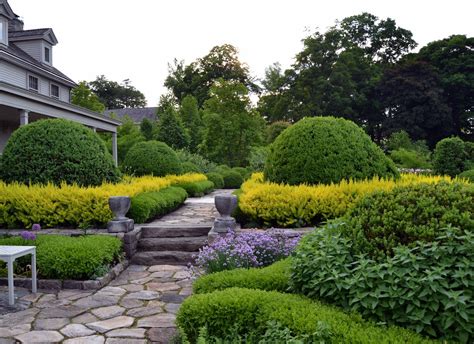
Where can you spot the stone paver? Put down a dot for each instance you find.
(139, 306)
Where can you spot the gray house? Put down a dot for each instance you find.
(30, 87)
(137, 115)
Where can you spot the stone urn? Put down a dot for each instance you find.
(119, 205)
(225, 205)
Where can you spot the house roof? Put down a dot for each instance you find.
(12, 49)
(26, 35)
(6, 10)
(136, 114)
(33, 32)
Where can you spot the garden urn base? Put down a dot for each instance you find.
(120, 226)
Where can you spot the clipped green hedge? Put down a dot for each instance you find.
(216, 178)
(197, 189)
(64, 257)
(468, 175)
(386, 219)
(189, 167)
(450, 156)
(248, 313)
(149, 205)
(325, 150)
(274, 277)
(56, 151)
(232, 179)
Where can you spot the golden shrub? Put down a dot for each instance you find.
(302, 205)
(71, 205)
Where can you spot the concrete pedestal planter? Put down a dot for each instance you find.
(120, 206)
(225, 205)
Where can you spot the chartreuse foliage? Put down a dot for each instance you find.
(428, 288)
(71, 205)
(285, 205)
(387, 219)
(64, 257)
(274, 277)
(323, 150)
(57, 151)
(247, 313)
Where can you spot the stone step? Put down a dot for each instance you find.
(171, 231)
(163, 257)
(187, 244)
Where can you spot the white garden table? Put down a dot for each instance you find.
(8, 254)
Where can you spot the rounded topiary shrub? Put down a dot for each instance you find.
(386, 219)
(468, 175)
(232, 179)
(189, 167)
(450, 156)
(152, 157)
(325, 150)
(217, 179)
(57, 150)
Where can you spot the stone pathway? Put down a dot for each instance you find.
(139, 306)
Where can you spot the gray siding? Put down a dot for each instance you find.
(64, 94)
(32, 48)
(12, 74)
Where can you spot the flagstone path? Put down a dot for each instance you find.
(139, 306)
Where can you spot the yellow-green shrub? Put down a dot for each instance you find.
(71, 205)
(301, 205)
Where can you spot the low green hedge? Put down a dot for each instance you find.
(197, 189)
(246, 312)
(216, 178)
(273, 277)
(149, 205)
(468, 175)
(64, 257)
(232, 179)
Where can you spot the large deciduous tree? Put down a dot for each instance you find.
(115, 95)
(231, 126)
(83, 96)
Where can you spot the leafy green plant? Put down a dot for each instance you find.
(149, 205)
(243, 311)
(386, 219)
(197, 189)
(63, 257)
(450, 156)
(232, 179)
(409, 159)
(204, 165)
(152, 157)
(427, 288)
(56, 151)
(468, 175)
(325, 150)
(217, 179)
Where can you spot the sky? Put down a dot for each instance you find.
(137, 39)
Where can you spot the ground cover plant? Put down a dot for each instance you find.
(64, 257)
(244, 250)
(247, 313)
(273, 204)
(72, 205)
(323, 150)
(57, 151)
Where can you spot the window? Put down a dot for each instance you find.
(33, 83)
(47, 55)
(3, 31)
(54, 91)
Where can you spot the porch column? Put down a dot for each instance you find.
(24, 117)
(114, 148)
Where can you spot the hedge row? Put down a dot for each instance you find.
(149, 205)
(64, 257)
(71, 205)
(274, 277)
(247, 313)
(303, 205)
(197, 189)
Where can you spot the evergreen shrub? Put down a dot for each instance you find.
(468, 175)
(152, 158)
(247, 313)
(324, 150)
(386, 219)
(189, 167)
(56, 151)
(217, 179)
(232, 179)
(197, 189)
(450, 156)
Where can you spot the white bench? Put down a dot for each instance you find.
(8, 254)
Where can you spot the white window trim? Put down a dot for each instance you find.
(49, 54)
(51, 93)
(28, 83)
(4, 36)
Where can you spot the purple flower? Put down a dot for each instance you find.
(36, 227)
(26, 235)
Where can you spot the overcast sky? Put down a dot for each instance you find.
(137, 39)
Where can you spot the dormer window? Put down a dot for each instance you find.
(3, 31)
(47, 55)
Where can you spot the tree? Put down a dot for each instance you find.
(195, 79)
(146, 129)
(231, 126)
(191, 119)
(453, 58)
(412, 99)
(83, 96)
(171, 130)
(115, 95)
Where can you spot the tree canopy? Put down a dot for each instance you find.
(83, 96)
(117, 95)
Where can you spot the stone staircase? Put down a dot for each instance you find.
(170, 244)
